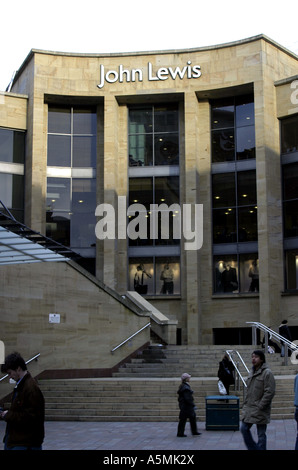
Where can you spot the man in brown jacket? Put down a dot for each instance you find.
(25, 417)
(257, 402)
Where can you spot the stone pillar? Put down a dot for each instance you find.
(269, 203)
(190, 197)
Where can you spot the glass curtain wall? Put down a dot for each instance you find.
(12, 157)
(71, 179)
(234, 196)
(289, 161)
(154, 255)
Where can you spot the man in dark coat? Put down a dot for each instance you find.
(284, 331)
(225, 372)
(257, 402)
(25, 417)
(187, 407)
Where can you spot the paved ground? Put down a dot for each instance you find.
(115, 436)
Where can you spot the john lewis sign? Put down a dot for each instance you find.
(122, 74)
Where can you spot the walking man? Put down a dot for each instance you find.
(257, 402)
(25, 417)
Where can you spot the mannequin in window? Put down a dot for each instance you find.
(167, 276)
(139, 285)
(229, 279)
(253, 273)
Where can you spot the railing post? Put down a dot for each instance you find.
(266, 341)
(286, 354)
(254, 335)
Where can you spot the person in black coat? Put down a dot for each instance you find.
(225, 372)
(187, 407)
(284, 331)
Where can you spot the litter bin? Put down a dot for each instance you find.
(222, 413)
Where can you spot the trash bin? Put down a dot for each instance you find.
(222, 413)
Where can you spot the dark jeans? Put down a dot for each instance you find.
(249, 442)
(182, 423)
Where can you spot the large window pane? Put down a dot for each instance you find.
(292, 270)
(226, 274)
(166, 147)
(222, 115)
(84, 121)
(291, 218)
(59, 120)
(141, 275)
(141, 150)
(12, 146)
(58, 194)
(12, 191)
(224, 191)
(224, 226)
(166, 119)
(290, 181)
(289, 135)
(246, 187)
(247, 224)
(153, 135)
(249, 273)
(84, 152)
(244, 112)
(59, 150)
(140, 121)
(246, 143)
(223, 145)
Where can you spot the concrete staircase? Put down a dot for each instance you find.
(146, 388)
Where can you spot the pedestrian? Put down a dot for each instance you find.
(187, 407)
(226, 372)
(25, 417)
(296, 407)
(284, 331)
(257, 402)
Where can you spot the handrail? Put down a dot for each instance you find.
(130, 337)
(273, 334)
(230, 354)
(27, 362)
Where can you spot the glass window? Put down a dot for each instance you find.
(222, 114)
(223, 145)
(155, 276)
(84, 121)
(224, 190)
(235, 274)
(153, 135)
(59, 120)
(59, 150)
(226, 274)
(224, 225)
(84, 152)
(12, 194)
(232, 129)
(158, 190)
(292, 269)
(246, 143)
(290, 199)
(289, 134)
(234, 207)
(12, 146)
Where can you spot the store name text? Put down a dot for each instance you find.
(163, 73)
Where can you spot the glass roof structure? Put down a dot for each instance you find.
(20, 244)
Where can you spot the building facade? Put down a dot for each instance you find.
(103, 152)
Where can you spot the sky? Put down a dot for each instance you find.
(107, 26)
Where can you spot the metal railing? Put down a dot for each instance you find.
(130, 337)
(34, 358)
(272, 334)
(238, 376)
